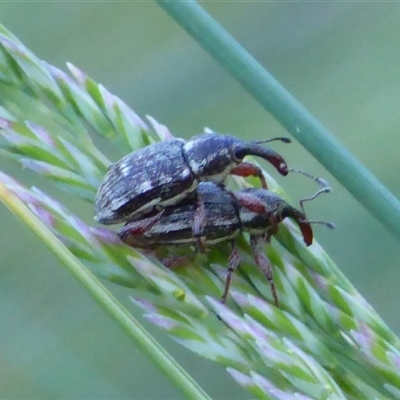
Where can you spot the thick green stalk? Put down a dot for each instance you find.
(107, 301)
(375, 197)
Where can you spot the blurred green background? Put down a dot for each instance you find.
(341, 60)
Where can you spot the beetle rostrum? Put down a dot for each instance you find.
(226, 217)
(164, 173)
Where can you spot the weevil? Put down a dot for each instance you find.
(226, 218)
(164, 173)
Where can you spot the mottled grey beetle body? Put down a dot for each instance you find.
(164, 173)
(225, 219)
(153, 176)
(175, 224)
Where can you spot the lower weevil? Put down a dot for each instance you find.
(226, 218)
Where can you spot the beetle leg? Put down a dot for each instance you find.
(233, 263)
(272, 230)
(199, 222)
(263, 264)
(177, 261)
(247, 169)
(174, 262)
(139, 226)
(169, 262)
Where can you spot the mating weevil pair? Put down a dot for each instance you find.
(164, 173)
(171, 193)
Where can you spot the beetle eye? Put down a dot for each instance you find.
(239, 153)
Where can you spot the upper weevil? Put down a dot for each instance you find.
(164, 173)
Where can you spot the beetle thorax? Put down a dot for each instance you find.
(210, 157)
(259, 222)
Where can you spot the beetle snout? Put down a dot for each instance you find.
(255, 149)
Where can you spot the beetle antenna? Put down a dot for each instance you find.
(329, 225)
(323, 190)
(282, 139)
(319, 181)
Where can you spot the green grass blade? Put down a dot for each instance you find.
(107, 301)
(375, 197)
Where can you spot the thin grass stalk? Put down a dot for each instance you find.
(141, 337)
(288, 111)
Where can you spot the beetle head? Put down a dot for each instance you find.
(212, 156)
(264, 210)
